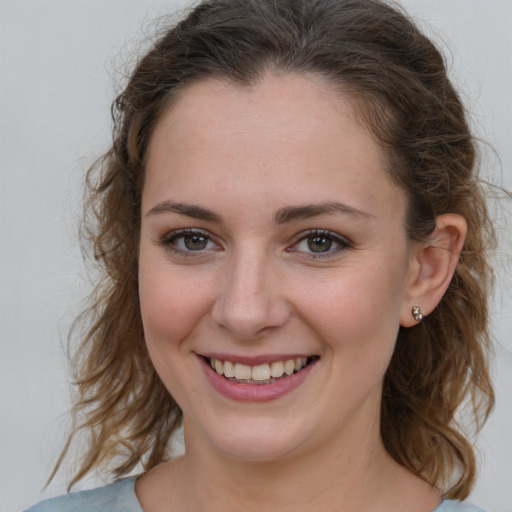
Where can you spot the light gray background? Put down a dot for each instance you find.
(56, 64)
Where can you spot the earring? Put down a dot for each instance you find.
(416, 313)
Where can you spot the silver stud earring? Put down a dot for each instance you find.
(417, 314)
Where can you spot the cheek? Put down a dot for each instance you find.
(171, 308)
(357, 312)
(171, 303)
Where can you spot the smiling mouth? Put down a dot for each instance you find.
(259, 374)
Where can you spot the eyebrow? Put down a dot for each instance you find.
(281, 216)
(190, 210)
(292, 213)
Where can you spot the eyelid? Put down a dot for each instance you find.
(167, 241)
(343, 242)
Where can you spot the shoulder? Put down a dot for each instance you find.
(456, 506)
(117, 497)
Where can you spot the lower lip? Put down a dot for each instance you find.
(255, 392)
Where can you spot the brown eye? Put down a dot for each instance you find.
(195, 242)
(187, 242)
(319, 243)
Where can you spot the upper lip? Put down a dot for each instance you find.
(255, 359)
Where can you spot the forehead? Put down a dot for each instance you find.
(272, 102)
(291, 133)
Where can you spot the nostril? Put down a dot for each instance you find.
(249, 304)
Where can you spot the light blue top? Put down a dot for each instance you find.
(117, 497)
(120, 497)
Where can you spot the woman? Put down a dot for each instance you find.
(294, 244)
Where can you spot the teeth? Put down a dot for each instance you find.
(277, 369)
(242, 371)
(289, 366)
(229, 369)
(261, 372)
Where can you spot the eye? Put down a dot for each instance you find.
(320, 243)
(187, 241)
(192, 242)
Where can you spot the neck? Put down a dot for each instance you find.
(354, 474)
(352, 469)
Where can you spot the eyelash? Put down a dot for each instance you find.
(342, 242)
(169, 243)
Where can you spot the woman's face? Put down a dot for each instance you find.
(273, 249)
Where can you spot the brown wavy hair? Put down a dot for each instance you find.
(372, 52)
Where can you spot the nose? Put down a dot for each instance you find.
(249, 304)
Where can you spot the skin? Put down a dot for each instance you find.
(250, 156)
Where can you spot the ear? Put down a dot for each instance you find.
(432, 266)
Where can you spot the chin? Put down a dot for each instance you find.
(258, 449)
(254, 439)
